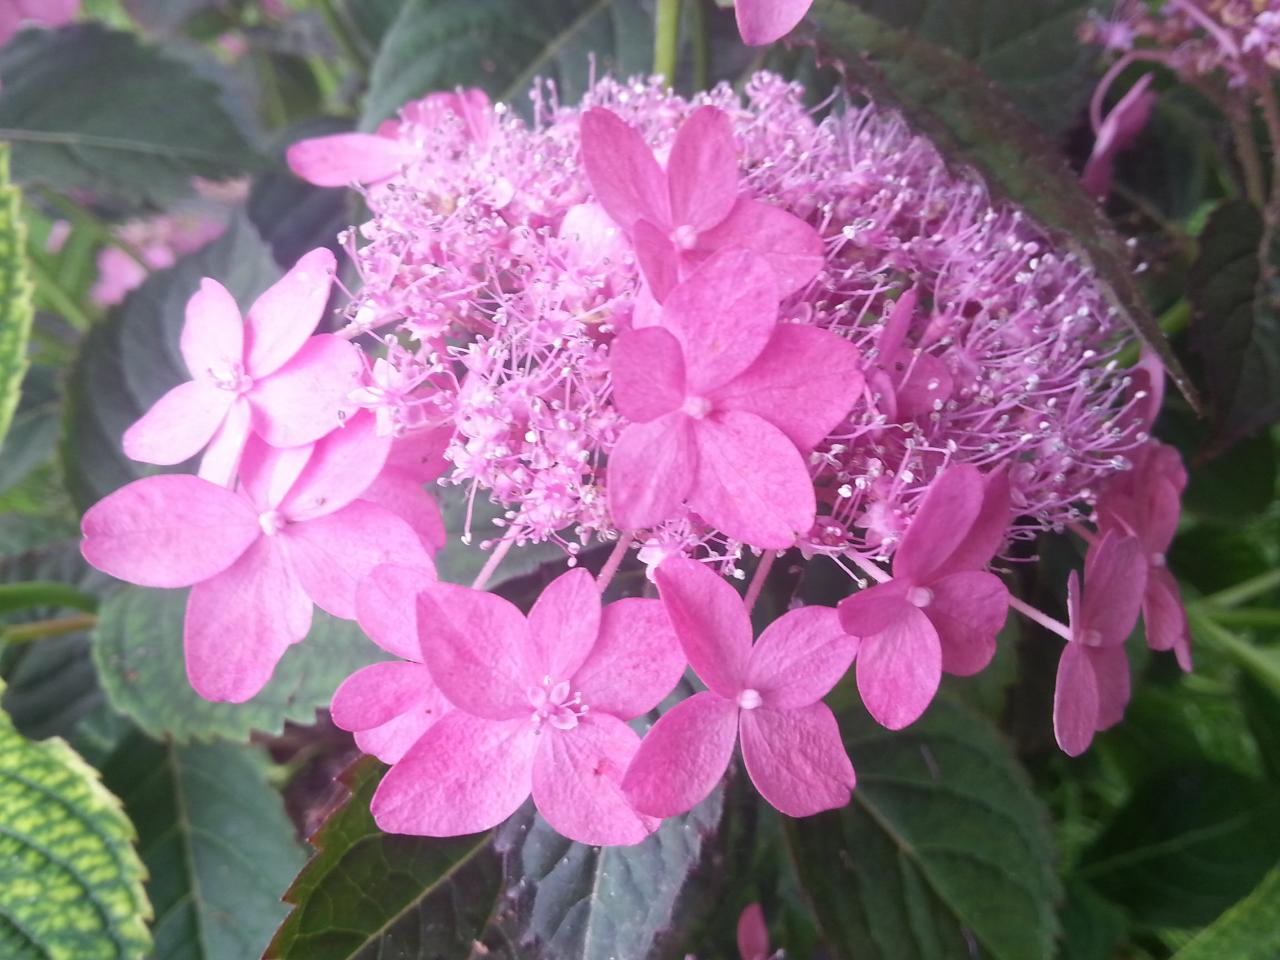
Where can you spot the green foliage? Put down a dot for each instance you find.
(518, 891)
(137, 648)
(943, 851)
(70, 880)
(213, 834)
(1250, 930)
(16, 311)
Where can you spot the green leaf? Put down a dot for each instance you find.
(942, 853)
(1235, 325)
(215, 840)
(1262, 714)
(137, 648)
(1188, 843)
(502, 46)
(518, 891)
(87, 108)
(1250, 930)
(16, 311)
(127, 363)
(952, 102)
(70, 880)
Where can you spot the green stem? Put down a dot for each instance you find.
(701, 45)
(1246, 617)
(666, 39)
(1244, 591)
(1172, 322)
(39, 629)
(61, 301)
(342, 30)
(40, 593)
(1247, 154)
(1257, 662)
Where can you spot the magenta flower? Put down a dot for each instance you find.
(257, 558)
(389, 706)
(1093, 675)
(770, 694)
(1117, 133)
(724, 403)
(265, 374)
(942, 610)
(909, 383)
(1145, 503)
(753, 934)
(764, 21)
(677, 218)
(541, 707)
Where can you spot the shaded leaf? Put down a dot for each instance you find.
(87, 108)
(215, 840)
(1262, 714)
(943, 851)
(1250, 930)
(16, 311)
(137, 648)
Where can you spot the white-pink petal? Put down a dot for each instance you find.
(281, 320)
(306, 397)
(180, 424)
(212, 341)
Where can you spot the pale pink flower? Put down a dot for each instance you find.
(764, 21)
(264, 374)
(676, 218)
(541, 707)
(159, 242)
(293, 535)
(1118, 132)
(16, 14)
(942, 610)
(770, 694)
(724, 402)
(1093, 675)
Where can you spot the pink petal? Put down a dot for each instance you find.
(1164, 616)
(1075, 701)
(341, 467)
(899, 669)
(702, 170)
(577, 782)
(421, 453)
(723, 315)
(302, 401)
(923, 383)
(333, 553)
(791, 247)
(1111, 673)
(804, 383)
(393, 739)
(873, 609)
(178, 425)
(221, 458)
(800, 657)
(624, 176)
(1119, 131)
(764, 21)
(378, 693)
(967, 610)
(213, 332)
(894, 333)
(387, 607)
(989, 528)
(343, 159)
(753, 935)
(1115, 578)
(943, 520)
(796, 758)
(636, 660)
(402, 494)
(168, 531)
(751, 482)
(710, 621)
(240, 623)
(683, 756)
(464, 775)
(658, 260)
(281, 320)
(648, 374)
(563, 625)
(651, 467)
(475, 644)
(267, 473)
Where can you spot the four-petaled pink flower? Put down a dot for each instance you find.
(942, 610)
(264, 374)
(257, 558)
(541, 707)
(764, 21)
(1093, 675)
(677, 218)
(770, 694)
(725, 402)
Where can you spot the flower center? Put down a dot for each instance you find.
(271, 522)
(1091, 638)
(749, 699)
(1156, 560)
(230, 376)
(685, 237)
(920, 597)
(696, 407)
(553, 703)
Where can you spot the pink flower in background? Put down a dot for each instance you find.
(15, 14)
(942, 610)
(724, 402)
(1117, 133)
(541, 707)
(293, 535)
(753, 934)
(764, 21)
(770, 694)
(676, 218)
(1093, 675)
(159, 241)
(263, 374)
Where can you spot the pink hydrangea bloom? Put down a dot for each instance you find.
(1093, 675)
(159, 241)
(764, 21)
(1117, 133)
(724, 402)
(541, 705)
(264, 374)
(291, 536)
(942, 610)
(769, 694)
(15, 14)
